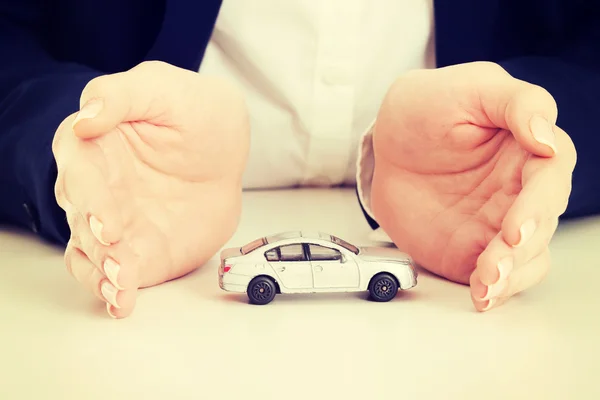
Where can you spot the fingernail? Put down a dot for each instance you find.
(504, 266)
(526, 231)
(90, 110)
(110, 293)
(490, 304)
(542, 131)
(111, 269)
(108, 306)
(96, 226)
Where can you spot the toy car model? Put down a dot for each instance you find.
(303, 262)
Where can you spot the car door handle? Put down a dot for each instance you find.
(318, 268)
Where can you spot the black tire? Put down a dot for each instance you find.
(261, 290)
(383, 287)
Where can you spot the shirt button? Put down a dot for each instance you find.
(336, 75)
(33, 220)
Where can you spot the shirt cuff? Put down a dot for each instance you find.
(365, 167)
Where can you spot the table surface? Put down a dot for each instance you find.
(187, 338)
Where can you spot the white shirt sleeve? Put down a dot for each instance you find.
(365, 166)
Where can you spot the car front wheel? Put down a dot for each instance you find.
(261, 290)
(383, 287)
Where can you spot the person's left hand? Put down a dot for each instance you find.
(471, 175)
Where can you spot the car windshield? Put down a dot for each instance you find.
(344, 244)
(253, 245)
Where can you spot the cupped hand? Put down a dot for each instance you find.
(149, 175)
(471, 176)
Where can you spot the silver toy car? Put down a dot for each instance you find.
(302, 262)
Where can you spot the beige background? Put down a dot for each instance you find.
(188, 339)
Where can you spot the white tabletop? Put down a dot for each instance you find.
(187, 339)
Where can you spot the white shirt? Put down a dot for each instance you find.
(314, 73)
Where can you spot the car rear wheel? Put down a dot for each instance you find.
(261, 290)
(383, 287)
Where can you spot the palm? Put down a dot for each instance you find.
(176, 209)
(449, 189)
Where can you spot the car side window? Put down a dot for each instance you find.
(322, 253)
(272, 255)
(292, 252)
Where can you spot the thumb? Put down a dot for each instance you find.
(527, 110)
(140, 94)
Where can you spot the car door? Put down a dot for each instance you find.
(330, 269)
(291, 266)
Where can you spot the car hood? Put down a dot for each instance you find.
(383, 254)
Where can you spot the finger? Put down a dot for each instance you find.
(84, 240)
(83, 270)
(119, 304)
(135, 95)
(497, 262)
(116, 279)
(519, 280)
(127, 300)
(82, 185)
(116, 262)
(544, 195)
(527, 110)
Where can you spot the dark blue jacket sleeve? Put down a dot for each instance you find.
(36, 94)
(572, 76)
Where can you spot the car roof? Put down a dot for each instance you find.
(314, 235)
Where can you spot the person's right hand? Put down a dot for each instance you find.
(149, 175)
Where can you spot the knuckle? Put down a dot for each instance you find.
(539, 95)
(75, 240)
(150, 65)
(534, 90)
(569, 152)
(568, 187)
(61, 137)
(489, 67)
(59, 134)
(96, 254)
(74, 221)
(56, 140)
(152, 69)
(95, 88)
(531, 95)
(561, 196)
(59, 191)
(558, 199)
